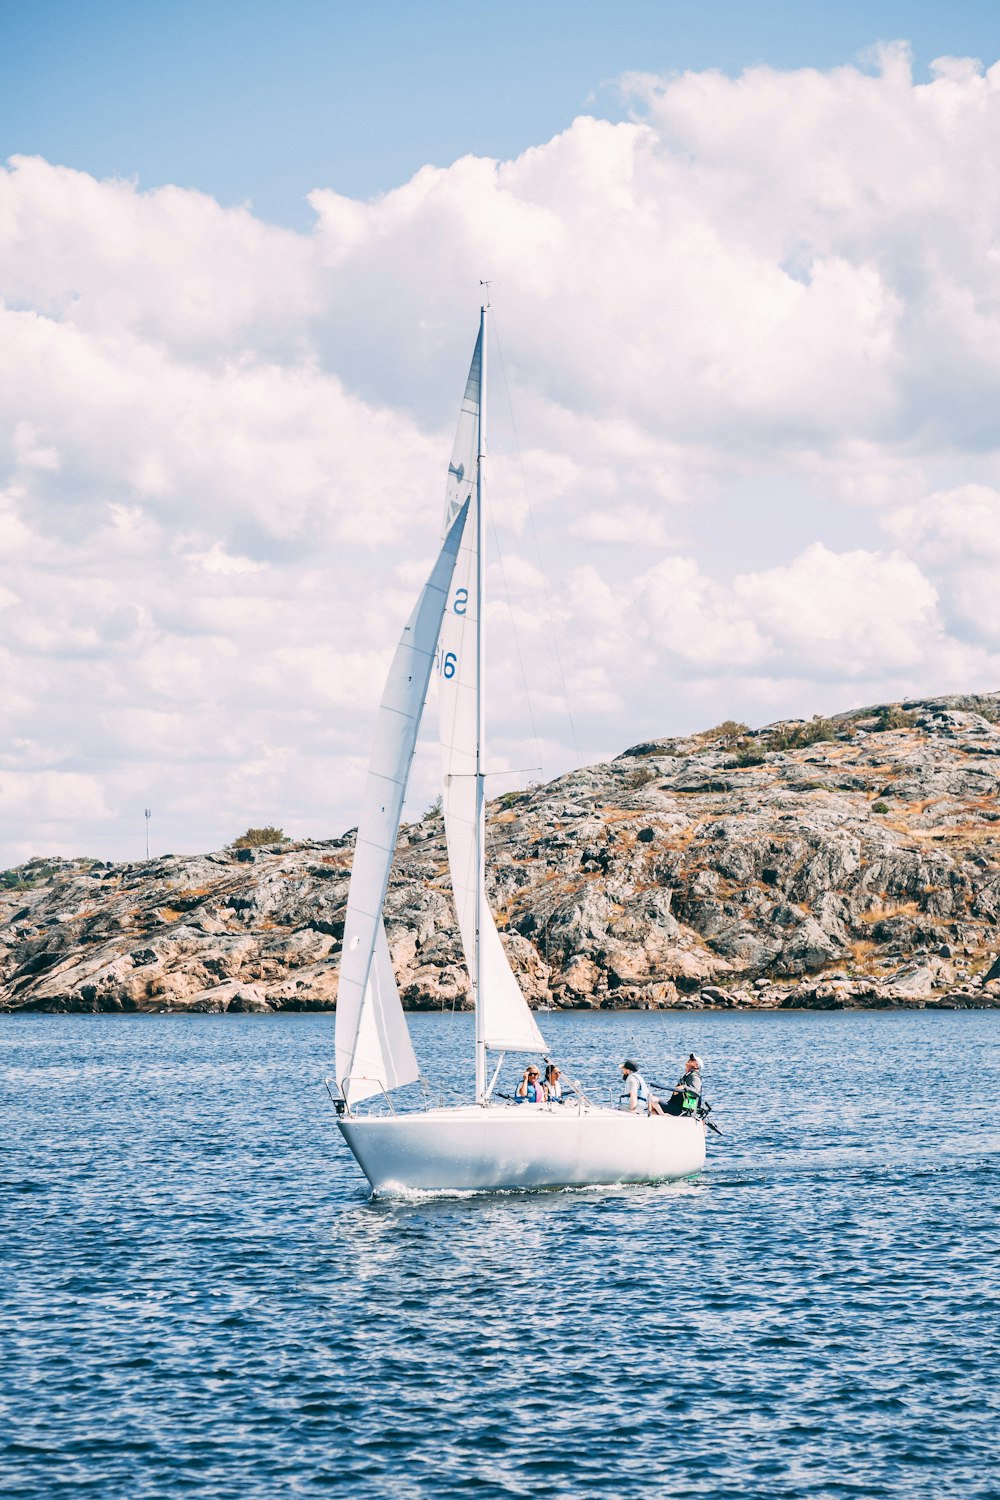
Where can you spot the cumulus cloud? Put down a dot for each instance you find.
(842, 614)
(222, 445)
(955, 534)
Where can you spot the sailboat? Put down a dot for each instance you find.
(486, 1144)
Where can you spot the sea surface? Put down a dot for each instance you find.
(198, 1299)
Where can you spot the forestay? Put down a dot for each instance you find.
(507, 1024)
(374, 1050)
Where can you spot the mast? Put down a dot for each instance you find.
(480, 845)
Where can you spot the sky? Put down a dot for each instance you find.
(745, 270)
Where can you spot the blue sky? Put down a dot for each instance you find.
(263, 101)
(749, 318)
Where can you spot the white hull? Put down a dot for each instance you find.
(475, 1149)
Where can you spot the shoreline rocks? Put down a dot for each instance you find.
(826, 864)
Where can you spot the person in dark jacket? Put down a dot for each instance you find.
(686, 1095)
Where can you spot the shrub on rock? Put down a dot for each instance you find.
(254, 838)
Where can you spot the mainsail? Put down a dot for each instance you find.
(374, 1050)
(505, 1022)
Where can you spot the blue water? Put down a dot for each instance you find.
(197, 1299)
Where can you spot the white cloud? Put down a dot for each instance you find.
(844, 614)
(956, 535)
(697, 619)
(222, 445)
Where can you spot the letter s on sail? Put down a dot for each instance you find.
(461, 601)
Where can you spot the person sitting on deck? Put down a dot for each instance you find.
(686, 1096)
(640, 1100)
(553, 1084)
(530, 1090)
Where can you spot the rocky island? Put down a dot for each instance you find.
(851, 861)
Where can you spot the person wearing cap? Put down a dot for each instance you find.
(640, 1100)
(687, 1094)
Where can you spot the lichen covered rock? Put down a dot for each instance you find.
(853, 861)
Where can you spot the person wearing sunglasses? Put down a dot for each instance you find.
(553, 1084)
(531, 1089)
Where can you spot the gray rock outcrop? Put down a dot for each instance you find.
(853, 861)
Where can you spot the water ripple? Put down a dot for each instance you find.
(199, 1300)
